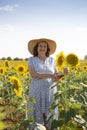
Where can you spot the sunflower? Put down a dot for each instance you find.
(2, 71)
(72, 60)
(6, 64)
(59, 60)
(84, 67)
(16, 85)
(18, 92)
(21, 69)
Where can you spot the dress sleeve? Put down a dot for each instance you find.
(30, 61)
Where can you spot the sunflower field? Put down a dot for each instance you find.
(71, 95)
(14, 87)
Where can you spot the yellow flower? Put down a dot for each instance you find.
(59, 60)
(2, 71)
(16, 85)
(85, 68)
(72, 60)
(18, 92)
(6, 63)
(9, 79)
(21, 69)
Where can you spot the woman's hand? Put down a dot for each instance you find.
(66, 71)
(57, 76)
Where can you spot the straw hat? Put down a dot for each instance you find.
(51, 44)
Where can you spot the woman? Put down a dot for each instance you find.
(43, 72)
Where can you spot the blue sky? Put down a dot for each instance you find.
(64, 21)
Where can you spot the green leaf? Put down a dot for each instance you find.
(70, 114)
(76, 106)
(57, 123)
(25, 124)
(31, 99)
(67, 115)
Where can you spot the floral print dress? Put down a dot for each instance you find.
(41, 89)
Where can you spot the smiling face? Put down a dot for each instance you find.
(42, 48)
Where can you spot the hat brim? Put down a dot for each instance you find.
(51, 44)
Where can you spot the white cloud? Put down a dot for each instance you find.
(7, 28)
(8, 7)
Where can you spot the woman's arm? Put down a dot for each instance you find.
(34, 74)
(59, 75)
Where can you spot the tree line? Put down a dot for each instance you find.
(10, 58)
(16, 58)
